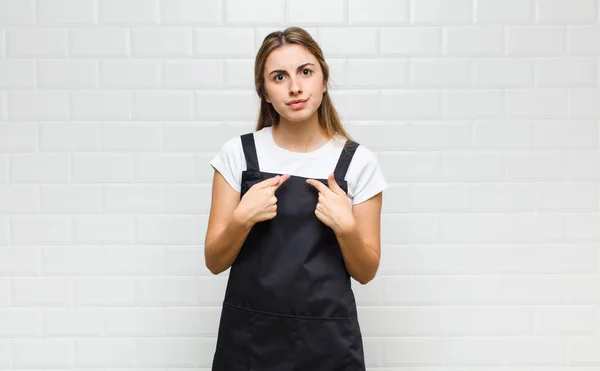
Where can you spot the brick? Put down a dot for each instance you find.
(39, 168)
(259, 12)
(476, 41)
(535, 40)
(536, 103)
(565, 134)
(370, 73)
(101, 168)
(502, 135)
(31, 353)
(505, 12)
(169, 105)
(565, 11)
(536, 166)
(446, 72)
(19, 13)
(378, 11)
(167, 229)
(14, 262)
(503, 72)
(65, 199)
(38, 105)
(74, 322)
(442, 11)
(19, 322)
(130, 74)
(65, 12)
(100, 105)
(67, 74)
(102, 42)
(229, 105)
(194, 137)
(238, 73)
(473, 103)
(138, 322)
(104, 292)
(72, 261)
(566, 72)
(164, 168)
(438, 135)
(411, 104)
(584, 40)
(190, 12)
(568, 198)
(103, 229)
(128, 12)
(204, 73)
(41, 291)
(16, 74)
(18, 137)
(472, 166)
(167, 42)
(131, 136)
(357, 105)
(349, 41)
(415, 41)
(585, 103)
(47, 42)
(132, 198)
(303, 11)
(227, 42)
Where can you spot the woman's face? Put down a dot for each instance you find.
(292, 73)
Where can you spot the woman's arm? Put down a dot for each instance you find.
(226, 231)
(360, 239)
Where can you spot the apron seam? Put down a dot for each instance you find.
(293, 316)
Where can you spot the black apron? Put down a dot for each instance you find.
(289, 305)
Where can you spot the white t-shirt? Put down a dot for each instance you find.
(364, 177)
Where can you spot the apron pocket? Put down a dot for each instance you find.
(326, 345)
(231, 353)
(273, 343)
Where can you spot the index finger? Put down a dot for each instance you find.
(318, 185)
(282, 179)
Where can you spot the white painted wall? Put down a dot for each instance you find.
(484, 115)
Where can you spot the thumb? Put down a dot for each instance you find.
(333, 184)
(269, 182)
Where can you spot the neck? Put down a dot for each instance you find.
(300, 136)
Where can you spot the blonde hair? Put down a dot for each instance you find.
(268, 116)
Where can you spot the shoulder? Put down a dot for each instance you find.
(363, 157)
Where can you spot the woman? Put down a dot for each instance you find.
(295, 213)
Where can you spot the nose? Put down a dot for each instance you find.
(295, 88)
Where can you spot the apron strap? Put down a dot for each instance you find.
(344, 160)
(250, 152)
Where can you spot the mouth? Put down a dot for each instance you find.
(297, 103)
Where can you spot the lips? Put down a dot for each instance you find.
(297, 101)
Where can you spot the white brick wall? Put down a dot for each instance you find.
(484, 115)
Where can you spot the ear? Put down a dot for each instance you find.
(267, 98)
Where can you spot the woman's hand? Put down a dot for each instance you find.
(259, 203)
(333, 208)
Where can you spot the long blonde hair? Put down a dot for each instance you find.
(268, 116)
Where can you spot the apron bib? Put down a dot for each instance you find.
(289, 304)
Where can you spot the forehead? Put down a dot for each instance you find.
(288, 56)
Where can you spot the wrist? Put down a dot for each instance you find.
(241, 219)
(347, 226)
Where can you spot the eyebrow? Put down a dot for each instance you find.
(284, 71)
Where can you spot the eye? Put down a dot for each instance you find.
(276, 77)
(306, 69)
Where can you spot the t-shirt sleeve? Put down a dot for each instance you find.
(365, 177)
(230, 162)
